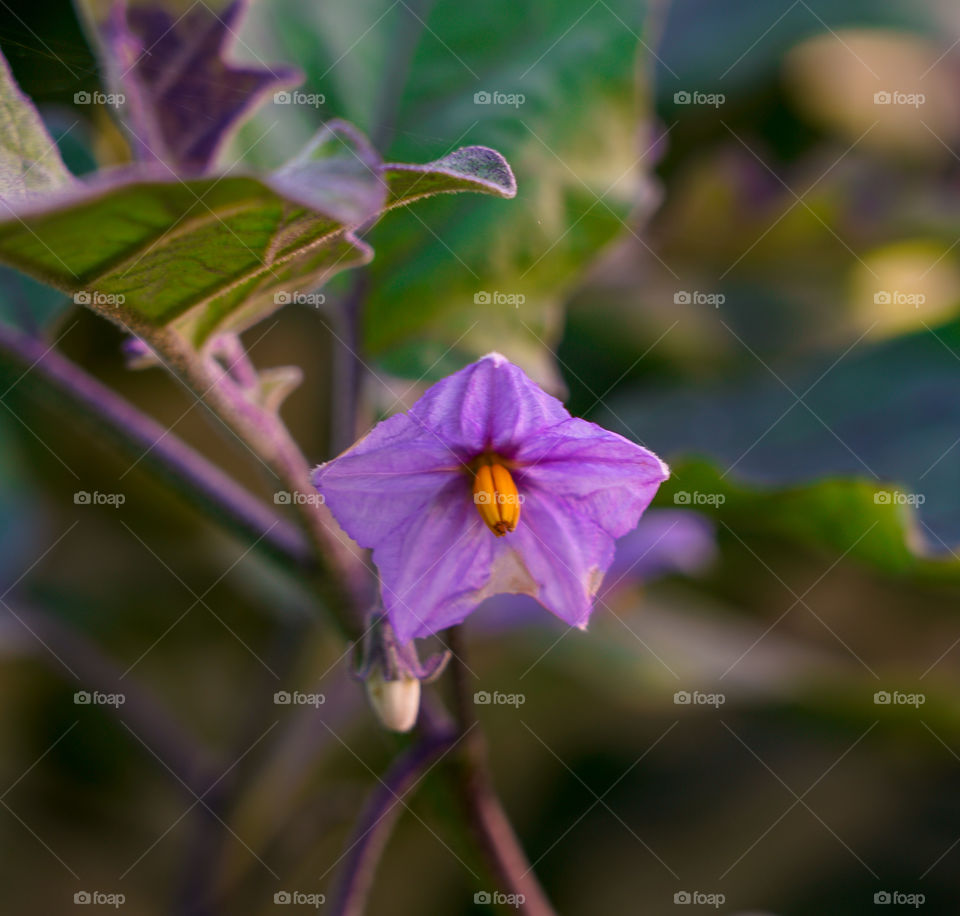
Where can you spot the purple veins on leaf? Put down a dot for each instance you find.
(184, 96)
(488, 486)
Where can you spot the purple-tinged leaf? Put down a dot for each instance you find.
(184, 95)
(147, 248)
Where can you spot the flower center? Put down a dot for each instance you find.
(495, 496)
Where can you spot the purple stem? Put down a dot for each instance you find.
(65, 386)
(489, 821)
(378, 817)
(348, 368)
(346, 580)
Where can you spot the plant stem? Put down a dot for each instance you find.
(346, 580)
(488, 819)
(348, 369)
(56, 381)
(378, 817)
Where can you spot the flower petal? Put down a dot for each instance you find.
(665, 541)
(386, 479)
(597, 474)
(490, 404)
(566, 555)
(405, 492)
(433, 569)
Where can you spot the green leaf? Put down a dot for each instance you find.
(29, 159)
(148, 249)
(574, 143)
(849, 517)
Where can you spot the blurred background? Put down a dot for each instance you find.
(735, 240)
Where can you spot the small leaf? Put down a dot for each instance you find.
(275, 385)
(471, 168)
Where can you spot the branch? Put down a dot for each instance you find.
(58, 382)
(346, 581)
(348, 365)
(378, 817)
(491, 825)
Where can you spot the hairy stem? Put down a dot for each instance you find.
(346, 579)
(489, 821)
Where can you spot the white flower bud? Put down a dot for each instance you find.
(396, 703)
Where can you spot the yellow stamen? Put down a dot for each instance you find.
(496, 498)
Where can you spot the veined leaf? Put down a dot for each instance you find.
(555, 86)
(145, 247)
(183, 95)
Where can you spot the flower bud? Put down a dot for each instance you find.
(396, 703)
(393, 673)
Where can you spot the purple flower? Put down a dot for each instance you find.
(485, 486)
(666, 541)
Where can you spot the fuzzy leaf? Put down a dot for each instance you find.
(554, 85)
(29, 159)
(216, 253)
(184, 96)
